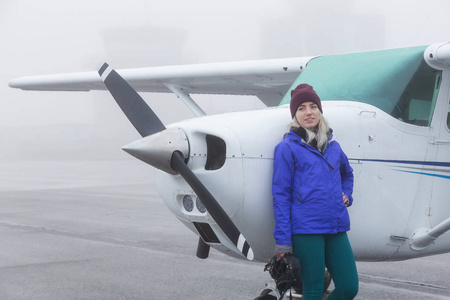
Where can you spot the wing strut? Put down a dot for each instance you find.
(422, 238)
(186, 98)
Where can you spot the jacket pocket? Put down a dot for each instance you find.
(298, 195)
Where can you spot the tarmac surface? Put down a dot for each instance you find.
(98, 230)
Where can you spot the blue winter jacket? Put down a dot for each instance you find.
(307, 189)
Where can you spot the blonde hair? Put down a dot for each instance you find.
(320, 134)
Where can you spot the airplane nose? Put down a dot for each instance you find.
(157, 149)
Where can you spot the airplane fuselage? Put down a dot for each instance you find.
(399, 169)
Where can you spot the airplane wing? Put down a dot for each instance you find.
(266, 79)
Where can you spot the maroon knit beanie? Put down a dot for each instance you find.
(301, 94)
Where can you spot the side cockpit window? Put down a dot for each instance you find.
(448, 117)
(416, 104)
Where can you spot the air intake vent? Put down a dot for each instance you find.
(206, 232)
(217, 151)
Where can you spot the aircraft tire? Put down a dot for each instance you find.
(265, 295)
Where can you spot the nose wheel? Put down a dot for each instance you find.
(265, 295)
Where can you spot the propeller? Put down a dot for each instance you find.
(137, 111)
(167, 158)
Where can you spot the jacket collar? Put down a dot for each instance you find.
(299, 132)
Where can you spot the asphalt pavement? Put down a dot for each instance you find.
(98, 230)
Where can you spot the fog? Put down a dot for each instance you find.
(57, 36)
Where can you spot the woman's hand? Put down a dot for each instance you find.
(345, 199)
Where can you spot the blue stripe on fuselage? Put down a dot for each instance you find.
(410, 162)
(428, 174)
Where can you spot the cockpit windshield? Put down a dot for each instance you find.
(397, 81)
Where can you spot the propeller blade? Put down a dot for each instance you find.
(137, 111)
(211, 205)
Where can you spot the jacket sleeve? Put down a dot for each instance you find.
(282, 181)
(346, 177)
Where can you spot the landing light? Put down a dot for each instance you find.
(188, 203)
(192, 204)
(201, 208)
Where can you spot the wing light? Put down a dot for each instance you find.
(438, 56)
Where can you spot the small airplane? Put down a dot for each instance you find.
(389, 110)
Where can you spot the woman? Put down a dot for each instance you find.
(312, 188)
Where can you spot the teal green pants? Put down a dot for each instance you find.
(333, 251)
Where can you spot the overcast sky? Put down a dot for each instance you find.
(57, 36)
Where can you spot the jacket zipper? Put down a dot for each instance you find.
(315, 151)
